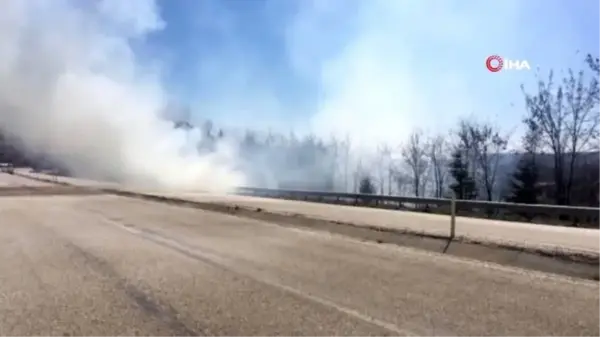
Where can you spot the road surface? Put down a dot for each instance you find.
(108, 265)
(578, 239)
(518, 233)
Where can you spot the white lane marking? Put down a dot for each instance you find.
(222, 262)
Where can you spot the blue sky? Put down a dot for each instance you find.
(373, 69)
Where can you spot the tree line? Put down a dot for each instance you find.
(557, 162)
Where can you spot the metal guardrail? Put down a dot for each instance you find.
(566, 215)
(574, 214)
(7, 168)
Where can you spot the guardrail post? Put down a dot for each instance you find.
(453, 217)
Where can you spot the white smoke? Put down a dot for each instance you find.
(72, 88)
(367, 72)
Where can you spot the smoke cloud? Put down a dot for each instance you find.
(72, 88)
(75, 84)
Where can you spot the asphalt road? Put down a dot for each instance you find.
(577, 239)
(518, 233)
(108, 265)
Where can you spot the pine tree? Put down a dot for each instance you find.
(524, 187)
(464, 185)
(366, 186)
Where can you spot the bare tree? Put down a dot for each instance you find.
(391, 172)
(357, 176)
(488, 146)
(403, 182)
(439, 161)
(567, 121)
(466, 146)
(481, 145)
(381, 165)
(524, 186)
(414, 153)
(331, 163)
(386, 168)
(426, 181)
(346, 145)
(582, 124)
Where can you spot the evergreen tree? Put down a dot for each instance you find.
(464, 185)
(524, 184)
(524, 187)
(366, 186)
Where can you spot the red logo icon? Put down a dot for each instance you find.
(489, 63)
